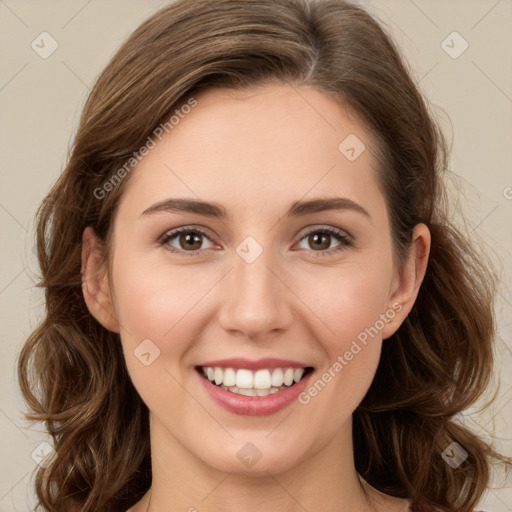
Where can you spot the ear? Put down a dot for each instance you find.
(95, 285)
(407, 284)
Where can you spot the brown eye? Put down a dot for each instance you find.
(190, 241)
(185, 240)
(320, 241)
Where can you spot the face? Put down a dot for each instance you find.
(283, 279)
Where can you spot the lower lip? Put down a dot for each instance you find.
(255, 405)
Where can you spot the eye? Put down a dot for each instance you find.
(320, 240)
(185, 240)
(189, 240)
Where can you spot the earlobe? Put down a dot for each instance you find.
(409, 279)
(95, 285)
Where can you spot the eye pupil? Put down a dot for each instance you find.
(316, 238)
(189, 239)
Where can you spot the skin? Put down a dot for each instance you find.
(255, 152)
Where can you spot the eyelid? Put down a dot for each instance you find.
(345, 239)
(325, 228)
(173, 233)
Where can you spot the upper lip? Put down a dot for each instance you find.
(266, 362)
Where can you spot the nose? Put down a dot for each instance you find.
(256, 300)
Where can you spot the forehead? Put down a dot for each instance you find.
(263, 144)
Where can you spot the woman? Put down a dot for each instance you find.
(254, 295)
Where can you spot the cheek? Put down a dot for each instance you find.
(352, 348)
(152, 299)
(155, 308)
(349, 303)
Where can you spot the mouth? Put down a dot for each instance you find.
(261, 382)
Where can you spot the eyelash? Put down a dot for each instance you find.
(344, 239)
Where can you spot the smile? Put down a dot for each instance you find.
(253, 387)
(247, 382)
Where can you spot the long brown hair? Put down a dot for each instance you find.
(72, 370)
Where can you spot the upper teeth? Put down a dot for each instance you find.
(247, 379)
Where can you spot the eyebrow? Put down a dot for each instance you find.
(215, 210)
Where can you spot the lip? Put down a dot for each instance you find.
(260, 364)
(254, 405)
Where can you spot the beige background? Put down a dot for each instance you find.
(40, 100)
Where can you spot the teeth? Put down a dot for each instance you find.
(247, 392)
(243, 378)
(288, 376)
(299, 372)
(229, 377)
(252, 392)
(262, 379)
(277, 377)
(259, 383)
